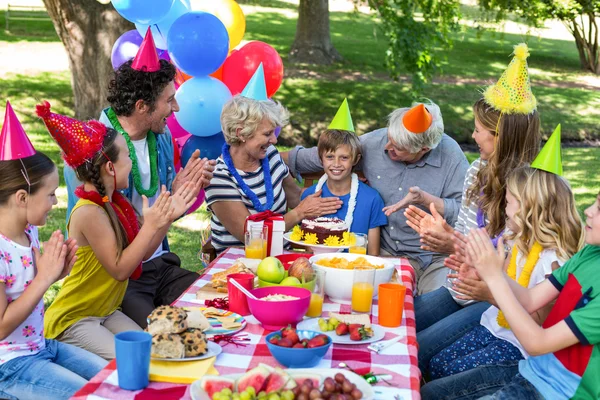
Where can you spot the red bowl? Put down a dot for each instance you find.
(288, 259)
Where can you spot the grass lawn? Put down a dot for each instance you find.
(313, 94)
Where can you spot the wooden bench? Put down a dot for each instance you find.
(32, 12)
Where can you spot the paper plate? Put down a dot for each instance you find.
(216, 327)
(213, 351)
(312, 324)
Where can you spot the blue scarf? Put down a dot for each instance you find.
(245, 188)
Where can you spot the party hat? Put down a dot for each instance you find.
(146, 58)
(550, 159)
(417, 119)
(256, 88)
(342, 119)
(512, 93)
(14, 143)
(79, 141)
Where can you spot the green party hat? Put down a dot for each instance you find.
(342, 119)
(550, 159)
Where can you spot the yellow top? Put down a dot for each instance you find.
(88, 291)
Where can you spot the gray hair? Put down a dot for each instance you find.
(246, 114)
(411, 142)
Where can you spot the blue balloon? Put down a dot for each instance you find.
(143, 11)
(201, 100)
(210, 147)
(160, 29)
(198, 43)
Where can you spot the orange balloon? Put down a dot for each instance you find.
(218, 74)
(181, 77)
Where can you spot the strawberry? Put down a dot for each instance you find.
(304, 342)
(274, 339)
(285, 342)
(298, 345)
(341, 329)
(287, 331)
(318, 341)
(293, 336)
(361, 333)
(355, 335)
(354, 327)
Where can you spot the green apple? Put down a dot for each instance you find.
(290, 281)
(270, 270)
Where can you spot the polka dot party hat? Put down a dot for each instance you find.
(79, 141)
(512, 93)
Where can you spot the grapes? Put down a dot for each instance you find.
(245, 396)
(251, 391)
(273, 396)
(226, 391)
(314, 394)
(357, 394)
(339, 377)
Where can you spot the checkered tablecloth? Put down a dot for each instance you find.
(398, 360)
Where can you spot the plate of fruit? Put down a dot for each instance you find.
(345, 328)
(266, 382)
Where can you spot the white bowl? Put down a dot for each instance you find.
(338, 282)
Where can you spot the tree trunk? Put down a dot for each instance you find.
(312, 44)
(88, 30)
(587, 44)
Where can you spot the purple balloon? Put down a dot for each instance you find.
(127, 46)
(277, 131)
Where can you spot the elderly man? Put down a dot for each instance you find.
(412, 162)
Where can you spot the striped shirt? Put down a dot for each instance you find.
(223, 187)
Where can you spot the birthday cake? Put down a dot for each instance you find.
(324, 227)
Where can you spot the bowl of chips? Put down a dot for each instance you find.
(340, 268)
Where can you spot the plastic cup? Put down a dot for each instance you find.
(361, 244)
(391, 304)
(132, 349)
(315, 309)
(238, 302)
(362, 290)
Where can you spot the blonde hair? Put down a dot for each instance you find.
(411, 142)
(517, 143)
(331, 139)
(246, 114)
(547, 212)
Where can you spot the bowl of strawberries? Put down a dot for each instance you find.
(298, 348)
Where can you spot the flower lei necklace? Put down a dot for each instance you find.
(245, 188)
(532, 259)
(137, 179)
(351, 202)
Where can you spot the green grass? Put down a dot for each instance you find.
(31, 31)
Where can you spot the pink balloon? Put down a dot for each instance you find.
(198, 203)
(181, 140)
(176, 130)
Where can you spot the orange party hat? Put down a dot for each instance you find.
(417, 119)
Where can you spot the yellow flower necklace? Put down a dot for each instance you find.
(532, 259)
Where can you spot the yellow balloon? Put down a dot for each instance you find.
(230, 14)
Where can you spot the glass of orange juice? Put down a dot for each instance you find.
(360, 247)
(255, 241)
(315, 309)
(362, 290)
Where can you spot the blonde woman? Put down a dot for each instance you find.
(547, 231)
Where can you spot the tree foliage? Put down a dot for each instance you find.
(579, 16)
(418, 32)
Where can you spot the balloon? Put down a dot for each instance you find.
(176, 130)
(198, 43)
(197, 203)
(240, 66)
(230, 14)
(176, 154)
(160, 29)
(209, 146)
(201, 100)
(181, 140)
(127, 46)
(143, 11)
(277, 131)
(181, 77)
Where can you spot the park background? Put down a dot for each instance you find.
(34, 66)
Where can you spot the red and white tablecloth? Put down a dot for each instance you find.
(398, 360)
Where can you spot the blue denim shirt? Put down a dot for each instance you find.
(166, 169)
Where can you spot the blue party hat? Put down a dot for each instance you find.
(256, 88)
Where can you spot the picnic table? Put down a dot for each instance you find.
(398, 360)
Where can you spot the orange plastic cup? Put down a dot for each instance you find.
(391, 304)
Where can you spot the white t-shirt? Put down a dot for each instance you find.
(16, 272)
(143, 160)
(542, 268)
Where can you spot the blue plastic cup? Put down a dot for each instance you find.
(132, 349)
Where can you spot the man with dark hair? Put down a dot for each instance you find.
(141, 97)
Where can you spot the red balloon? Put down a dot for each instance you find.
(241, 65)
(176, 154)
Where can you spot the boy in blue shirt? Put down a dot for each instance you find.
(340, 150)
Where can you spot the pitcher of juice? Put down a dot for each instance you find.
(315, 309)
(255, 241)
(362, 290)
(360, 247)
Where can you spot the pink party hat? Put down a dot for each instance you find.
(146, 58)
(14, 143)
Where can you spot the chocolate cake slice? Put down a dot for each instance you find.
(324, 227)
